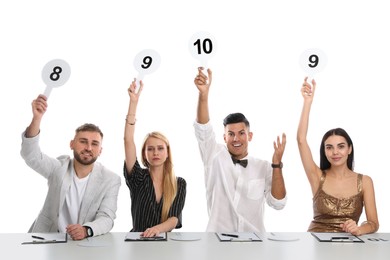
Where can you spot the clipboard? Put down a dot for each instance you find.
(336, 237)
(136, 236)
(47, 238)
(238, 237)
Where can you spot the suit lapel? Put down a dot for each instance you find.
(66, 184)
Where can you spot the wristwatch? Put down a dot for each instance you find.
(280, 165)
(89, 231)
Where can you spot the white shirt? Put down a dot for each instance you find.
(235, 195)
(69, 214)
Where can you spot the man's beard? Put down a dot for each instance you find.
(82, 161)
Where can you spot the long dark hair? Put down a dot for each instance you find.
(324, 163)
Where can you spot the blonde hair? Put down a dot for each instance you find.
(169, 178)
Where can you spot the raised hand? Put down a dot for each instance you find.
(202, 81)
(308, 89)
(133, 92)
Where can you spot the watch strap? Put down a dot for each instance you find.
(279, 165)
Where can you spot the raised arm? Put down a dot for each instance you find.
(313, 172)
(39, 107)
(203, 83)
(130, 150)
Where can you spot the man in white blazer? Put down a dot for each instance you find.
(82, 193)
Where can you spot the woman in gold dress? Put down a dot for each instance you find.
(339, 193)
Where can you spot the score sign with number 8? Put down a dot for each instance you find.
(55, 74)
(313, 61)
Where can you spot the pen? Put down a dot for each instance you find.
(229, 235)
(37, 237)
(43, 241)
(341, 238)
(152, 238)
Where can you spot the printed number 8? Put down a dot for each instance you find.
(56, 73)
(147, 61)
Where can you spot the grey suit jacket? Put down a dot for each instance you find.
(99, 203)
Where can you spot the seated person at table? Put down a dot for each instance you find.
(339, 193)
(237, 185)
(157, 196)
(82, 195)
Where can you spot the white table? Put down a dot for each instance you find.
(113, 247)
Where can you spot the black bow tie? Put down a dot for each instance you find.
(243, 163)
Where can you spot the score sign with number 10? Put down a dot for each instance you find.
(202, 46)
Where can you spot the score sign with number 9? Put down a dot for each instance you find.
(146, 62)
(313, 61)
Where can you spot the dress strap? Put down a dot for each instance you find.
(359, 182)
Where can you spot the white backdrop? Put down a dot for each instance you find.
(256, 71)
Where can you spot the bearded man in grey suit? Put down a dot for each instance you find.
(82, 193)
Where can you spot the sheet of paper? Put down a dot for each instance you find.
(47, 238)
(336, 237)
(238, 237)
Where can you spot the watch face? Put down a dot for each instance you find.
(89, 231)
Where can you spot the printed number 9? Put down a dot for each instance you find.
(147, 62)
(314, 59)
(207, 46)
(56, 73)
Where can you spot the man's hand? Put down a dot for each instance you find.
(76, 231)
(39, 106)
(202, 81)
(279, 149)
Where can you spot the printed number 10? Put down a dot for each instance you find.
(207, 46)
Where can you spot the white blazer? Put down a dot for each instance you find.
(99, 203)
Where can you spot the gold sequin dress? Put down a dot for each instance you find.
(330, 212)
